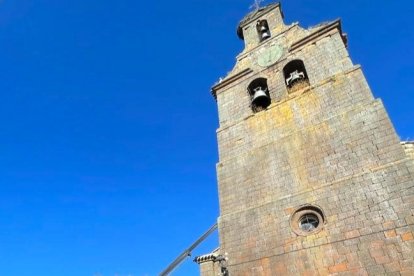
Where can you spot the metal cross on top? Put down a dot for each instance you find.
(256, 4)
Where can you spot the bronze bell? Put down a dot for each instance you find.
(260, 97)
(265, 35)
(263, 28)
(295, 76)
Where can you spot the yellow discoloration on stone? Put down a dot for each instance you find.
(284, 115)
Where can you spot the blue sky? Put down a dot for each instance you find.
(108, 146)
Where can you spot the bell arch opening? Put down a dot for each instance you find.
(259, 94)
(263, 30)
(295, 75)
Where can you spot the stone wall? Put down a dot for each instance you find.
(409, 148)
(329, 145)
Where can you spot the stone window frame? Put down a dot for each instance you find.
(303, 210)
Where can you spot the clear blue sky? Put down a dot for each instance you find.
(107, 145)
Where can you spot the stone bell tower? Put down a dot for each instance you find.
(312, 177)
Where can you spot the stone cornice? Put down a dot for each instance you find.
(407, 142)
(323, 31)
(229, 80)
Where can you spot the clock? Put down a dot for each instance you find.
(270, 55)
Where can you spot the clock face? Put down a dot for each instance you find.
(269, 55)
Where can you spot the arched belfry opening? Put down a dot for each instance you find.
(295, 75)
(259, 94)
(263, 30)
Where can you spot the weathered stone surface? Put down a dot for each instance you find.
(409, 148)
(329, 144)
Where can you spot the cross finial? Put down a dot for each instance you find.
(256, 4)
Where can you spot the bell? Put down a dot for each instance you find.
(263, 28)
(265, 35)
(295, 76)
(260, 97)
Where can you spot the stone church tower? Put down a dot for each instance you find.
(312, 177)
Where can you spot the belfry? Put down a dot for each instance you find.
(312, 177)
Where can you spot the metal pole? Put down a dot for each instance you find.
(187, 252)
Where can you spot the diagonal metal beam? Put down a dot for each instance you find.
(187, 252)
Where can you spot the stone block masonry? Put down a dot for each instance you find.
(318, 182)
